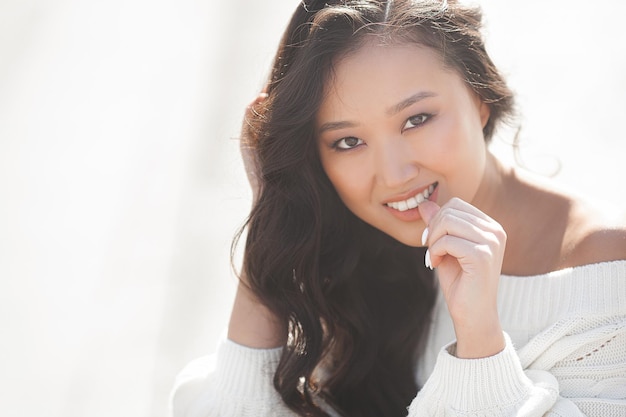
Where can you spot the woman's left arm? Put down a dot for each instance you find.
(480, 374)
(467, 248)
(477, 375)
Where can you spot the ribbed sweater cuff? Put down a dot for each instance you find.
(479, 384)
(245, 372)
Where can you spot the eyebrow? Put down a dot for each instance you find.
(334, 126)
(409, 101)
(390, 111)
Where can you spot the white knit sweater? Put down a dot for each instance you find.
(569, 328)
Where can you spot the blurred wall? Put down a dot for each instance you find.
(121, 186)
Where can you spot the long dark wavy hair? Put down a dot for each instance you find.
(355, 303)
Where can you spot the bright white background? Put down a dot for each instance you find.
(121, 186)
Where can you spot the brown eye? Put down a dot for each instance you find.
(416, 121)
(348, 143)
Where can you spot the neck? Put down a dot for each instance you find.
(502, 195)
(533, 215)
(497, 190)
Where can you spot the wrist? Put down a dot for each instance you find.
(252, 324)
(479, 341)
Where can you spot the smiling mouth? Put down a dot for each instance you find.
(413, 202)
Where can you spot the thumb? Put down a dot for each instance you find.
(427, 210)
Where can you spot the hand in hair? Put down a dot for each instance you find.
(251, 323)
(467, 248)
(246, 146)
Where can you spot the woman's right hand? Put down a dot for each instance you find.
(247, 147)
(251, 323)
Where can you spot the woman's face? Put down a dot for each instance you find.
(396, 127)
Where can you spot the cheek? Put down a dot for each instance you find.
(443, 144)
(349, 180)
(464, 158)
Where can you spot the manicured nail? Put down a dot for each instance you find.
(427, 260)
(425, 236)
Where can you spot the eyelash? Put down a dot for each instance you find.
(336, 144)
(426, 117)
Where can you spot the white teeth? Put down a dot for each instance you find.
(412, 202)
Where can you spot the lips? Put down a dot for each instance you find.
(414, 201)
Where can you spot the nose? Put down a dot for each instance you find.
(396, 164)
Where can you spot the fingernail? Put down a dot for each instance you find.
(425, 236)
(427, 260)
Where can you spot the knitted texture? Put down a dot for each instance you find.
(236, 381)
(569, 327)
(493, 386)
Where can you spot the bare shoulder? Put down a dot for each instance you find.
(596, 233)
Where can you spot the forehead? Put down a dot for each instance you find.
(384, 74)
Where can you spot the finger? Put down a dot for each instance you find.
(258, 99)
(428, 210)
(458, 204)
(458, 227)
(250, 108)
(248, 136)
(441, 220)
(464, 225)
(466, 253)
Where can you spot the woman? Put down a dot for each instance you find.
(370, 169)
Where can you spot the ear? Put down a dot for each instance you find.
(484, 111)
